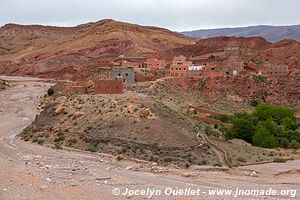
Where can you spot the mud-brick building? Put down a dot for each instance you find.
(277, 70)
(126, 74)
(235, 67)
(156, 64)
(109, 87)
(179, 66)
(74, 89)
(232, 51)
(213, 71)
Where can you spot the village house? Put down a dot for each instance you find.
(232, 51)
(71, 89)
(195, 70)
(213, 71)
(126, 74)
(277, 70)
(235, 67)
(156, 64)
(126, 63)
(109, 87)
(179, 66)
(135, 62)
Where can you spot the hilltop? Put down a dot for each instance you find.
(271, 33)
(36, 50)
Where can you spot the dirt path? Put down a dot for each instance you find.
(221, 153)
(30, 171)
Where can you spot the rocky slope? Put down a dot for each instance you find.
(128, 125)
(235, 93)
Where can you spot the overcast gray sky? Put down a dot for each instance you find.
(177, 15)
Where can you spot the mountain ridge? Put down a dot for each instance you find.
(270, 33)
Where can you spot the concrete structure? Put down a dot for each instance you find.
(195, 70)
(277, 70)
(156, 64)
(124, 73)
(179, 66)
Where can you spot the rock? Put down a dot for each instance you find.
(143, 113)
(105, 182)
(188, 174)
(73, 185)
(59, 109)
(44, 187)
(128, 168)
(48, 179)
(78, 114)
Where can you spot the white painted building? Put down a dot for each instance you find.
(196, 68)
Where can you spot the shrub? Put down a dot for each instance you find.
(284, 142)
(264, 138)
(241, 159)
(294, 144)
(223, 118)
(50, 91)
(280, 160)
(212, 57)
(259, 79)
(254, 102)
(93, 148)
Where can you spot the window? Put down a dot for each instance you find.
(126, 74)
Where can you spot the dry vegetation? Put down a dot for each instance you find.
(3, 85)
(243, 153)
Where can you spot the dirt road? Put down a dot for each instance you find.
(30, 171)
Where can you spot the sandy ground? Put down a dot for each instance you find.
(30, 171)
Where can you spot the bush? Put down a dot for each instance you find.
(280, 160)
(259, 79)
(223, 118)
(93, 148)
(294, 144)
(241, 159)
(212, 57)
(264, 138)
(254, 102)
(50, 91)
(284, 142)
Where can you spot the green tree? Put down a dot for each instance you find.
(264, 138)
(277, 113)
(242, 129)
(289, 123)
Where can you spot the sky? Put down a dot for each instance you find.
(176, 15)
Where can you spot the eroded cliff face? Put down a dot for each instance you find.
(274, 90)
